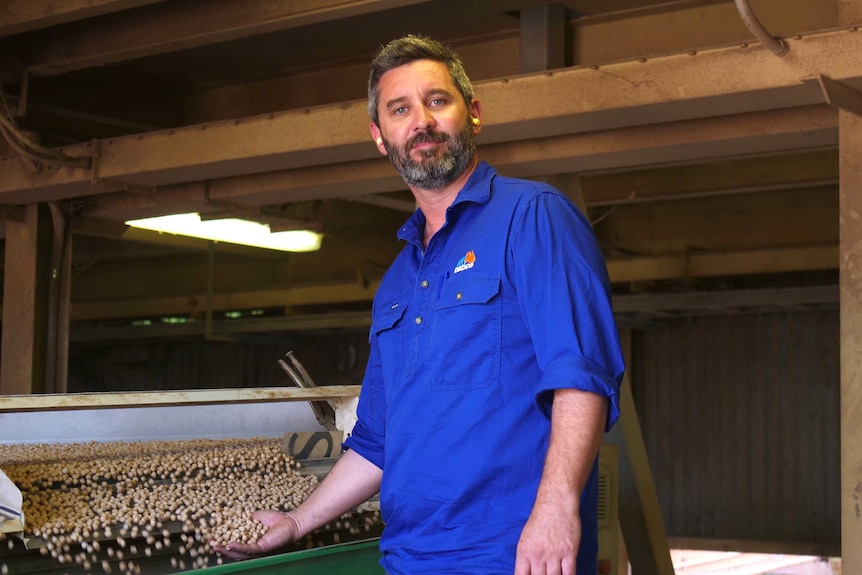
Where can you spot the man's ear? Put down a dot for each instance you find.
(476, 116)
(377, 137)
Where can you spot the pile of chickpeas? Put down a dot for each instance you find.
(108, 506)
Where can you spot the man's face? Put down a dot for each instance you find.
(425, 125)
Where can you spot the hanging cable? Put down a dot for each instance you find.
(55, 327)
(40, 155)
(35, 165)
(777, 46)
(37, 153)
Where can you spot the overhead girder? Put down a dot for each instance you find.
(164, 28)
(636, 269)
(19, 16)
(710, 84)
(684, 141)
(753, 174)
(627, 307)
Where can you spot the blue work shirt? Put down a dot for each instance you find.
(469, 339)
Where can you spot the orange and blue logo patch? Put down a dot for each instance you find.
(466, 262)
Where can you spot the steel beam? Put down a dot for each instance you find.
(196, 303)
(632, 305)
(677, 266)
(346, 321)
(736, 301)
(407, 206)
(24, 15)
(165, 28)
(690, 140)
(709, 83)
(712, 264)
(670, 143)
(721, 178)
(712, 83)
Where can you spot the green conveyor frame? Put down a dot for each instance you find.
(358, 558)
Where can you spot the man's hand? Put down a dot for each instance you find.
(549, 541)
(281, 530)
(552, 535)
(351, 481)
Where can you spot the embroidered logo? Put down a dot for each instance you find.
(466, 262)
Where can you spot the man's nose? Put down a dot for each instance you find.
(423, 119)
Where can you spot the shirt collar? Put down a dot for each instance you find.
(476, 190)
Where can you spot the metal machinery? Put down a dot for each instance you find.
(354, 558)
(147, 418)
(230, 414)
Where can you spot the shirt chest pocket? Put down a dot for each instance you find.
(466, 332)
(385, 329)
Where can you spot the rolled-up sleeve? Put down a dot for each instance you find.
(564, 292)
(370, 429)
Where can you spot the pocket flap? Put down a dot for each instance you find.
(386, 316)
(467, 288)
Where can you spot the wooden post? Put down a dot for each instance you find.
(850, 231)
(25, 299)
(644, 538)
(640, 514)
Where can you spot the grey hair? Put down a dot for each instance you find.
(409, 49)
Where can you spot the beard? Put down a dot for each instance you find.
(435, 169)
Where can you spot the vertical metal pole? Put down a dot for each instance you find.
(64, 312)
(210, 288)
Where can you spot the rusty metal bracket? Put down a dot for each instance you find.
(837, 94)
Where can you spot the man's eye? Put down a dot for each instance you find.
(438, 102)
(399, 111)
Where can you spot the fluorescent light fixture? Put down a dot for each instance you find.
(233, 231)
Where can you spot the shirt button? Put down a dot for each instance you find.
(459, 295)
(418, 319)
(424, 283)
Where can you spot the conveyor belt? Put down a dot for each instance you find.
(149, 416)
(173, 543)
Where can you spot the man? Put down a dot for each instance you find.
(494, 365)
